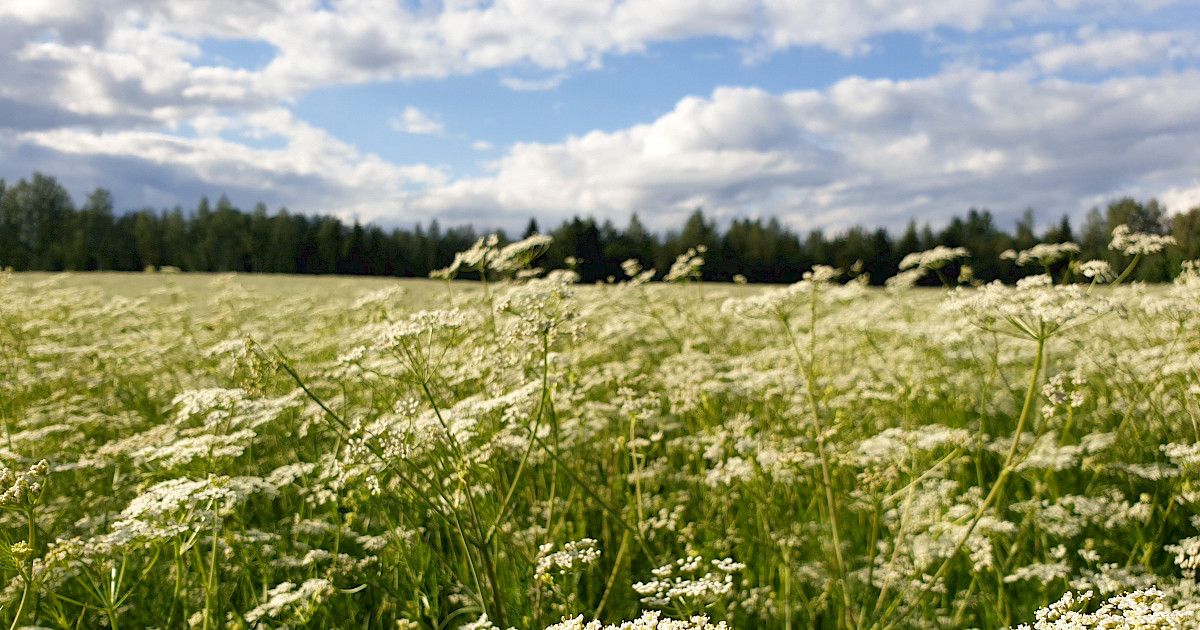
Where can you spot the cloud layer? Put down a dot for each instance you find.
(885, 150)
(127, 91)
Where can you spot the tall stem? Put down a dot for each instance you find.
(997, 488)
(806, 369)
(28, 572)
(1128, 270)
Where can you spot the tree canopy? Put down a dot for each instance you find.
(41, 228)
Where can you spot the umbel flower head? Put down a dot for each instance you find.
(476, 257)
(782, 303)
(516, 256)
(650, 620)
(1035, 308)
(486, 253)
(1131, 243)
(687, 265)
(1044, 254)
(933, 259)
(1098, 270)
(572, 557)
(1145, 608)
(22, 489)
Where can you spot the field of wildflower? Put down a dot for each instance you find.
(525, 452)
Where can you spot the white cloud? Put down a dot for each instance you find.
(416, 122)
(862, 151)
(141, 58)
(1182, 198)
(1104, 50)
(121, 91)
(533, 85)
(309, 170)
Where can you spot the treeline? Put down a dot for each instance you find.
(41, 228)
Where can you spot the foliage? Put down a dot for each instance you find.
(41, 229)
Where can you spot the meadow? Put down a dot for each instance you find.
(238, 451)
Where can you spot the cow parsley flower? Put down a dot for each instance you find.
(1098, 270)
(933, 259)
(22, 489)
(1046, 254)
(195, 402)
(905, 279)
(682, 583)
(650, 620)
(781, 304)
(1132, 243)
(1035, 308)
(418, 327)
(1144, 609)
(572, 557)
(637, 276)
(475, 257)
(516, 256)
(687, 265)
(288, 604)
(1187, 555)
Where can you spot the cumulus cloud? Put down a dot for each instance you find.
(1093, 50)
(875, 151)
(1182, 198)
(141, 58)
(308, 170)
(417, 122)
(121, 92)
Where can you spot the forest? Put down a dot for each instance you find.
(42, 228)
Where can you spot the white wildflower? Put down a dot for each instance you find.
(933, 259)
(1131, 243)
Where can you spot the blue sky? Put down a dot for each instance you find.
(823, 114)
(627, 90)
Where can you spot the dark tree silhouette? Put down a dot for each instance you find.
(42, 229)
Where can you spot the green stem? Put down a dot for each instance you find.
(807, 372)
(27, 574)
(1005, 471)
(1128, 270)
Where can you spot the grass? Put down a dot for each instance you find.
(265, 451)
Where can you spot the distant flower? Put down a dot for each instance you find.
(1045, 254)
(687, 265)
(933, 259)
(1131, 243)
(516, 256)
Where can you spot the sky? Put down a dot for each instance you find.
(822, 113)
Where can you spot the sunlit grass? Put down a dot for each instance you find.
(262, 451)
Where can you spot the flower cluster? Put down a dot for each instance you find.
(682, 582)
(650, 620)
(1035, 308)
(1141, 609)
(933, 259)
(571, 557)
(688, 265)
(1044, 254)
(1131, 243)
(22, 489)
